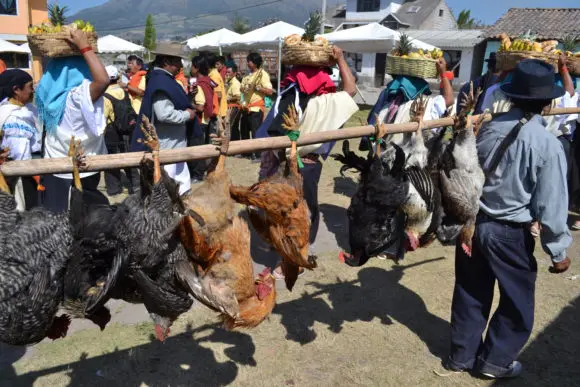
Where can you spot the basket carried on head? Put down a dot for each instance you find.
(507, 60)
(307, 54)
(54, 45)
(413, 67)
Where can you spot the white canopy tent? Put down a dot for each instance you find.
(268, 37)
(26, 47)
(370, 38)
(212, 40)
(113, 44)
(6, 46)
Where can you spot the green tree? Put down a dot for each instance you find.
(57, 14)
(240, 25)
(150, 39)
(465, 21)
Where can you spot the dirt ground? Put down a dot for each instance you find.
(380, 325)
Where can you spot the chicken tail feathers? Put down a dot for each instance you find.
(290, 271)
(118, 266)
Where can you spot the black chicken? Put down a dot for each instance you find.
(129, 251)
(375, 214)
(34, 250)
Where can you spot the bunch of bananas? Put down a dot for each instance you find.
(420, 54)
(47, 28)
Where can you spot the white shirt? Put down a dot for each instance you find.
(82, 119)
(20, 126)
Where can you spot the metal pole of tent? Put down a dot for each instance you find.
(279, 63)
(220, 48)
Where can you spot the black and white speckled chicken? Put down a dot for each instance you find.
(34, 251)
(129, 251)
(423, 205)
(461, 176)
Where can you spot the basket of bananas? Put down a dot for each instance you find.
(308, 50)
(403, 60)
(50, 41)
(511, 53)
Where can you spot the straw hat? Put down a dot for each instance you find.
(170, 49)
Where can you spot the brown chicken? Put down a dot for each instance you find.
(285, 220)
(219, 244)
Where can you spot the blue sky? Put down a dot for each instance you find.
(486, 10)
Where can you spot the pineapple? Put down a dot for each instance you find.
(312, 26)
(569, 43)
(404, 47)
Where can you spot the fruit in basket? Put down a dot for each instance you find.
(47, 28)
(404, 46)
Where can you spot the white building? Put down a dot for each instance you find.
(430, 21)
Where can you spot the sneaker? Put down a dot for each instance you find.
(512, 371)
(382, 257)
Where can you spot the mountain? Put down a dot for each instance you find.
(185, 18)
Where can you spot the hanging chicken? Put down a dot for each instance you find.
(220, 273)
(375, 215)
(34, 250)
(129, 251)
(461, 176)
(284, 221)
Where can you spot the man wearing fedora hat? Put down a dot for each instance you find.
(525, 169)
(169, 108)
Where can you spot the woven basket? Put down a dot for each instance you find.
(307, 55)
(507, 60)
(414, 67)
(573, 64)
(55, 45)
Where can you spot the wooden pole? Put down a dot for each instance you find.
(171, 156)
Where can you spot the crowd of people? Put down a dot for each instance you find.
(526, 193)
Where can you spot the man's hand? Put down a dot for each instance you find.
(337, 53)
(192, 114)
(560, 267)
(79, 39)
(122, 85)
(562, 60)
(441, 66)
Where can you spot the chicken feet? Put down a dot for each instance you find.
(152, 142)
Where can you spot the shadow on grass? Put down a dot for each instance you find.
(336, 221)
(553, 358)
(377, 293)
(179, 361)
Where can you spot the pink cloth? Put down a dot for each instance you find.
(310, 80)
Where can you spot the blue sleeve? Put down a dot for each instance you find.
(550, 203)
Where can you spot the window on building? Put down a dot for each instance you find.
(368, 5)
(15, 60)
(440, 13)
(414, 9)
(8, 7)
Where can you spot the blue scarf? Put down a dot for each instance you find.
(409, 87)
(159, 81)
(61, 75)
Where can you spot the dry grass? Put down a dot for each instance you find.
(381, 325)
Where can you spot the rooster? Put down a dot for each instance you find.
(461, 176)
(220, 273)
(34, 251)
(375, 214)
(285, 220)
(130, 251)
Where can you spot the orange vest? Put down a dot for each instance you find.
(136, 79)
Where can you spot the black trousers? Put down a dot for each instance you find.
(113, 180)
(235, 119)
(311, 177)
(250, 124)
(501, 252)
(197, 168)
(56, 195)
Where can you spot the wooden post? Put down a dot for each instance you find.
(171, 156)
